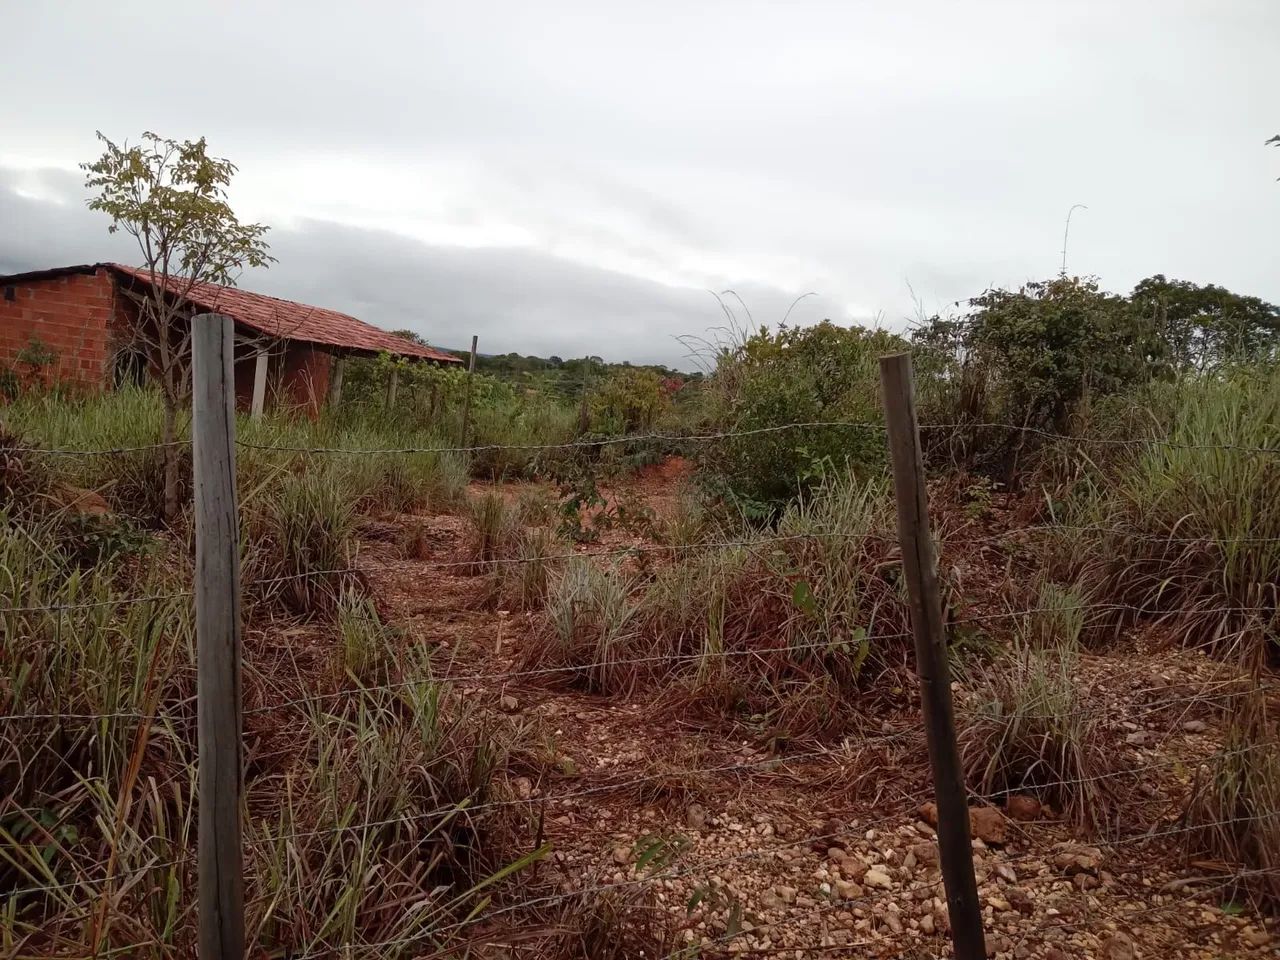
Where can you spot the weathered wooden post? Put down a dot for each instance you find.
(393, 385)
(584, 408)
(260, 366)
(335, 380)
(466, 400)
(217, 595)
(920, 564)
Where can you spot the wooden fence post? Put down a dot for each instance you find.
(393, 386)
(217, 595)
(335, 380)
(920, 564)
(466, 400)
(259, 402)
(584, 407)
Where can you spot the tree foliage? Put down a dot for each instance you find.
(630, 399)
(1031, 355)
(1039, 355)
(1042, 349)
(171, 197)
(1202, 327)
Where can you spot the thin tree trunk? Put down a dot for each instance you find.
(169, 435)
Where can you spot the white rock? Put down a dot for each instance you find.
(877, 878)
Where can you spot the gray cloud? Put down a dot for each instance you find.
(575, 173)
(513, 299)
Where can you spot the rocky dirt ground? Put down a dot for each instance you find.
(824, 851)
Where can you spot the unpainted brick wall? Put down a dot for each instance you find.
(69, 315)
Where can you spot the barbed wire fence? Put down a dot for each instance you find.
(219, 856)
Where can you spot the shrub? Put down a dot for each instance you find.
(628, 401)
(1042, 349)
(821, 373)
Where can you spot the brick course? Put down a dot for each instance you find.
(69, 315)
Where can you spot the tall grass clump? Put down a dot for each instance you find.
(590, 627)
(367, 452)
(1235, 812)
(1188, 530)
(527, 581)
(1026, 729)
(374, 837)
(96, 758)
(495, 527)
(128, 420)
(513, 547)
(367, 645)
(792, 626)
(301, 542)
(519, 439)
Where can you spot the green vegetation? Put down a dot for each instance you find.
(1040, 356)
(823, 374)
(1236, 812)
(783, 636)
(753, 589)
(1027, 729)
(171, 197)
(98, 765)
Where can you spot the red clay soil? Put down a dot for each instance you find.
(821, 850)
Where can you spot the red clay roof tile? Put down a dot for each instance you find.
(294, 321)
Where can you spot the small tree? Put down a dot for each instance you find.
(171, 198)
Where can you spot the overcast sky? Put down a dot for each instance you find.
(575, 177)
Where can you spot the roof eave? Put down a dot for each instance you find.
(51, 273)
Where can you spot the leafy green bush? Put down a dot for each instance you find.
(1043, 355)
(630, 400)
(824, 373)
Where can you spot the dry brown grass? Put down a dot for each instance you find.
(1234, 813)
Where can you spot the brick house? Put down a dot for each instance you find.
(78, 320)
